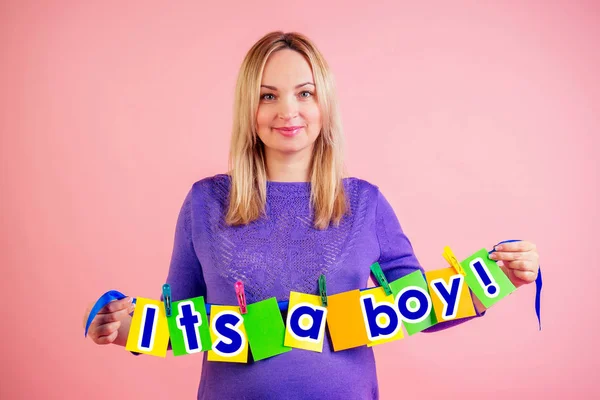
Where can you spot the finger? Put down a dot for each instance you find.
(107, 339)
(511, 256)
(107, 329)
(507, 256)
(116, 305)
(527, 276)
(522, 245)
(520, 265)
(101, 319)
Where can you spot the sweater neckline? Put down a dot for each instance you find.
(281, 188)
(282, 183)
(288, 188)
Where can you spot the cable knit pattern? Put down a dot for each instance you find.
(279, 253)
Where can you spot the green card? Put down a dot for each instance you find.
(414, 302)
(485, 278)
(265, 329)
(188, 327)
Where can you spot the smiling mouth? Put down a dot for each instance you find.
(289, 131)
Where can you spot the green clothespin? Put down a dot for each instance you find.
(323, 290)
(166, 291)
(376, 270)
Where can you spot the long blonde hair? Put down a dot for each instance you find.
(248, 193)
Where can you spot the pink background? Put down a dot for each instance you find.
(478, 121)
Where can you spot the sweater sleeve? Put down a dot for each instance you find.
(185, 272)
(397, 257)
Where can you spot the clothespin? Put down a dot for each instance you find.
(323, 290)
(449, 256)
(379, 275)
(166, 291)
(241, 296)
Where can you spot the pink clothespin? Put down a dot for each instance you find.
(241, 296)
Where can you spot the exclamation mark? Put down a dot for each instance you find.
(484, 277)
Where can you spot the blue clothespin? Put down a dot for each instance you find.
(378, 273)
(166, 291)
(323, 290)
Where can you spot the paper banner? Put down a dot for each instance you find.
(485, 278)
(265, 329)
(353, 318)
(305, 327)
(188, 327)
(229, 340)
(413, 302)
(449, 294)
(345, 320)
(381, 317)
(149, 332)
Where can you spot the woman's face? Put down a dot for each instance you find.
(288, 100)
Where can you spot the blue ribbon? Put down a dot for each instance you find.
(538, 285)
(102, 301)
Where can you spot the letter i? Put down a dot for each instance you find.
(148, 333)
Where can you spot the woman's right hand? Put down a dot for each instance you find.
(111, 324)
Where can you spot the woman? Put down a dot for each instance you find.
(280, 218)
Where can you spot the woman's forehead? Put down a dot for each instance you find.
(286, 69)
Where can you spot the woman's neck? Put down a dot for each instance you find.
(288, 168)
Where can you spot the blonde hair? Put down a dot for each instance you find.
(248, 193)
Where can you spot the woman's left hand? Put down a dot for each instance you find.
(520, 261)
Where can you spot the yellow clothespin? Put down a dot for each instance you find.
(449, 256)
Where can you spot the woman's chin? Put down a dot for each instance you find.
(289, 150)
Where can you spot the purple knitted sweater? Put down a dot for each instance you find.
(279, 254)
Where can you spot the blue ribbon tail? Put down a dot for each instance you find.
(538, 286)
(102, 301)
(538, 296)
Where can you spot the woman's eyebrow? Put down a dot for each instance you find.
(297, 86)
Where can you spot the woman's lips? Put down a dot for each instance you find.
(290, 131)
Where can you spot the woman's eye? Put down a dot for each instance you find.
(306, 91)
(266, 94)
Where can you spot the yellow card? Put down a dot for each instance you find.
(228, 335)
(381, 317)
(449, 294)
(345, 320)
(149, 331)
(305, 327)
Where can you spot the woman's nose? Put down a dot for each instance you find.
(288, 109)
